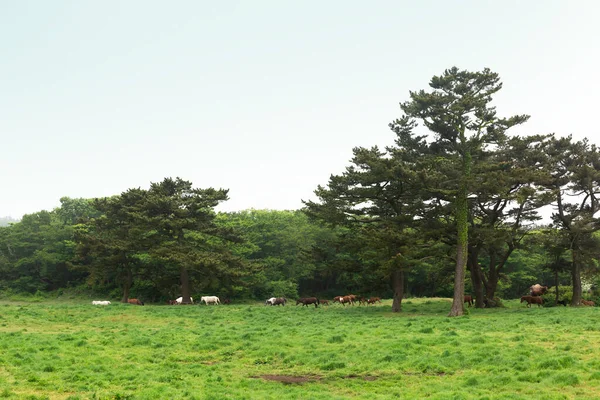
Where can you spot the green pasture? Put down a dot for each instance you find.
(78, 351)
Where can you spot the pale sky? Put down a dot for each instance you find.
(264, 98)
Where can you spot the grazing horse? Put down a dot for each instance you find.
(538, 290)
(533, 300)
(136, 302)
(227, 301)
(324, 302)
(279, 301)
(270, 301)
(179, 300)
(305, 301)
(210, 300)
(100, 302)
(469, 299)
(587, 303)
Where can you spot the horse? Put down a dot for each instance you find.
(172, 302)
(179, 300)
(136, 302)
(100, 302)
(210, 299)
(374, 300)
(324, 302)
(469, 299)
(352, 298)
(587, 303)
(533, 300)
(337, 299)
(227, 301)
(305, 301)
(346, 299)
(279, 300)
(270, 301)
(362, 301)
(538, 290)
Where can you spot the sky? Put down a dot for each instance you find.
(264, 98)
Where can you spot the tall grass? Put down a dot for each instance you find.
(77, 351)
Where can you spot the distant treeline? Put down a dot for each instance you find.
(114, 248)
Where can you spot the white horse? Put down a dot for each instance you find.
(100, 302)
(180, 299)
(210, 300)
(270, 301)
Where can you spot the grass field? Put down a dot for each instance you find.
(78, 351)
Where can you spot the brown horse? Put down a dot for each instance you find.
(346, 299)
(136, 302)
(374, 300)
(587, 303)
(469, 299)
(362, 301)
(305, 301)
(533, 300)
(226, 301)
(337, 299)
(172, 302)
(324, 302)
(279, 300)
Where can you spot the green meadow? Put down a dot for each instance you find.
(60, 350)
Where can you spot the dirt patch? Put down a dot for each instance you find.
(289, 379)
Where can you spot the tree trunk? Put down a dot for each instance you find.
(462, 227)
(185, 286)
(127, 286)
(556, 285)
(576, 278)
(476, 278)
(492, 282)
(398, 287)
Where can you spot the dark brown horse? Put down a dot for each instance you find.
(533, 300)
(279, 300)
(469, 299)
(305, 301)
(136, 302)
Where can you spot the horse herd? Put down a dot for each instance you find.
(535, 297)
(306, 301)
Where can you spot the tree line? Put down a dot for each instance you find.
(454, 201)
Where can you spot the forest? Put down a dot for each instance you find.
(454, 206)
